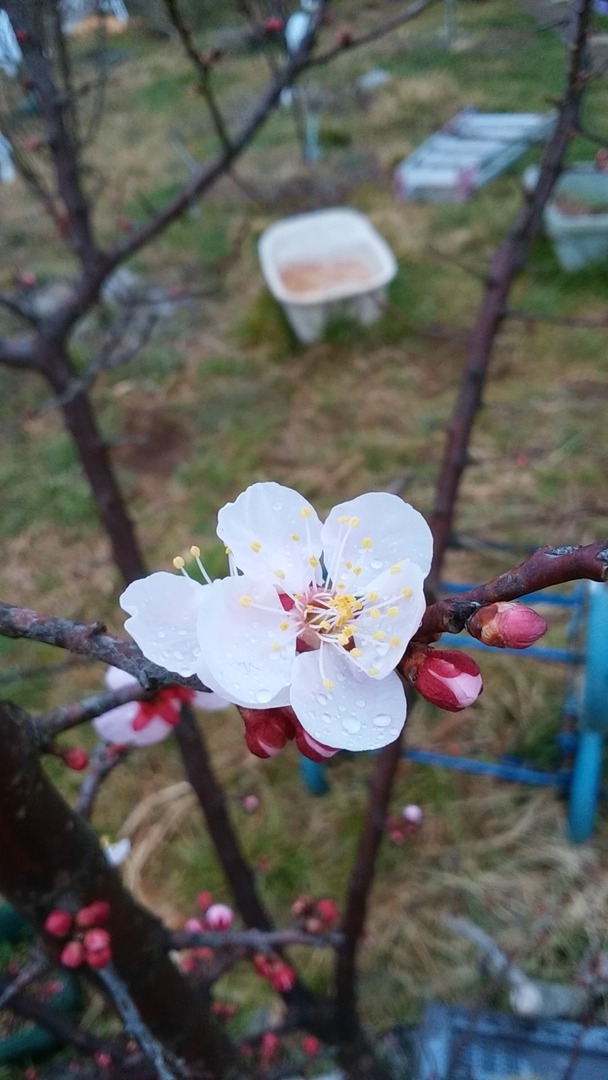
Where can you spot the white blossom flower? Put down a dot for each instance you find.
(141, 723)
(314, 615)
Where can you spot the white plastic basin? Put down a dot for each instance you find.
(325, 264)
(579, 238)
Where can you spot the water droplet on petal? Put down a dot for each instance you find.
(326, 717)
(350, 724)
(322, 699)
(277, 506)
(360, 703)
(178, 655)
(263, 696)
(382, 719)
(376, 564)
(180, 633)
(161, 634)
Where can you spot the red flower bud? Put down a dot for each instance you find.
(263, 965)
(72, 954)
(58, 923)
(269, 1046)
(98, 959)
(21, 36)
(310, 1045)
(327, 910)
(75, 758)
(445, 677)
(506, 626)
(309, 747)
(87, 916)
(282, 978)
(204, 900)
(100, 911)
(103, 1060)
(267, 731)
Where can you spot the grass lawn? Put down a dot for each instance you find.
(223, 396)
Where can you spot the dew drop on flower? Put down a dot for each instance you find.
(381, 720)
(322, 699)
(350, 724)
(160, 634)
(263, 696)
(360, 703)
(376, 564)
(326, 717)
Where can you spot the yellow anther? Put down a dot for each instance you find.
(246, 601)
(284, 625)
(342, 519)
(378, 635)
(348, 565)
(396, 569)
(340, 585)
(195, 551)
(394, 642)
(325, 625)
(255, 546)
(227, 551)
(392, 611)
(304, 512)
(328, 684)
(294, 536)
(366, 542)
(357, 570)
(356, 652)
(372, 671)
(406, 591)
(374, 613)
(280, 574)
(343, 638)
(353, 522)
(274, 646)
(179, 563)
(313, 561)
(372, 597)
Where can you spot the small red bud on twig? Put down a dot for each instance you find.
(75, 758)
(444, 677)
(58, 923)
(72, 954)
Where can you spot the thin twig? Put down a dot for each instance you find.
(135, 1027)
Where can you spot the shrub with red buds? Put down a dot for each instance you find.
(445, 677)
(58, 923)
(506, 626)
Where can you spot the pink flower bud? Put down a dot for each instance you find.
(96, 940)
(72, 954)
(250, 803)
(445, 677)
(263, 965)
(310, 1045)
(219, 917)
(193, 926)
(412, 814)
(75, 758)
(204, 900)
(309, 747)
(506, 626)
(58, 923)
(86, 917)
(103, 1060)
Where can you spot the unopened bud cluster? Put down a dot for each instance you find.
(89, 941)
(267, 732)
(314, 916)
(211, 917)
(275, 971)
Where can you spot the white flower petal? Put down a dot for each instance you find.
(115, 678)
(247, 642)
(212, 702)
(116, 726)
(273, 533)
(163, 609)
(382, 530)
(393, 608)
(356, 712)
